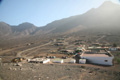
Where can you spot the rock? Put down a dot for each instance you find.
(68, 69)
(35, 76)
(14, 69)
(83, 69)
(31, 67)
(90, 71)
(18, 64)
(117, 73)
(82, 66)
(33, 70)
(97, 69)
(47, 77)
(10, 68)
(14, 64)
(21, 68)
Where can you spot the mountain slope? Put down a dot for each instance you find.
(104, 19)
(107, 16)
(23, 29)
(5, 29)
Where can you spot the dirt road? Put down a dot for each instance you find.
(19, 54)
(100, 39)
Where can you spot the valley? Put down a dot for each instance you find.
(81, 47)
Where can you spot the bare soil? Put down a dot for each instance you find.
(31, 71)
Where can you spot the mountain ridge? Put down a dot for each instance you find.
(107, 16)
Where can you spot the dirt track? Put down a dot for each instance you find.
(20, 53)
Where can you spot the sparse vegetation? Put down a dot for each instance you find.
(32, 41)
(114, 45)
(117, 60)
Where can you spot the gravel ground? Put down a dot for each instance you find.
(32, 71)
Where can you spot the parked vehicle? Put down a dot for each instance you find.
(18, 59)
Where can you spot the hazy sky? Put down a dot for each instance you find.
(42, 12)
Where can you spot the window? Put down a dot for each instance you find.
(106, 60)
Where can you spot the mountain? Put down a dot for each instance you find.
(102, 19)
(24, 29)
(107, 16)
(5, 29)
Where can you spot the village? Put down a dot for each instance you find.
(79, 53)
(61, 58)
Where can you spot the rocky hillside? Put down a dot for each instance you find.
(24, 29)
(107, 16)
(104, 18)
(5, 29)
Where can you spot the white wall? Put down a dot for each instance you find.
(99, 60)
(82, 61)
(58, 61)
(46, 61)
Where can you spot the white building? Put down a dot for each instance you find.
(58, 61)
(82, 61)
(39, 60)
(102, 57)
(35, 60)
(72, 61)
(45, 61)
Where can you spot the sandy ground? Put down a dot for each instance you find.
(33, 71)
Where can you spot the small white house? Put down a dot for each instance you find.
(58, 61)
(102, 58)
(45, 61)
(82, 61)
(35, 60)
(72, 61)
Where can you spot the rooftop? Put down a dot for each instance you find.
(95, 55)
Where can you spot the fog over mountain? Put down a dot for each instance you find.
(106, 18)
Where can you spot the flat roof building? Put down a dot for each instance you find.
(98, 56)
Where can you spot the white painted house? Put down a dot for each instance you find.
(45, 61)
(82, 61)
(58, 61)
(39, 60)
(35, 60)
(72, 61)
(102, 57)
